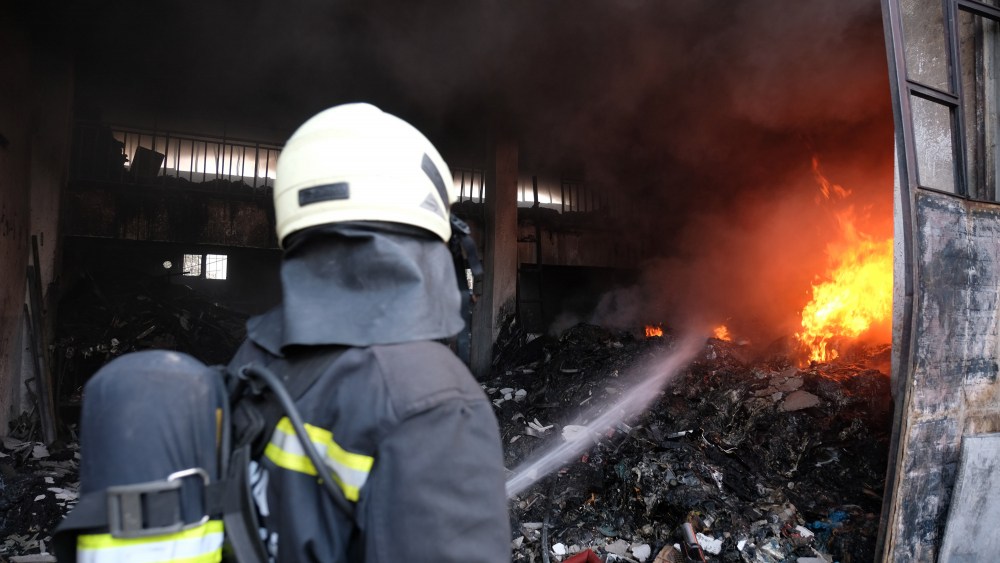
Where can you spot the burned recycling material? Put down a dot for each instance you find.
(767, 462)
(100, 319)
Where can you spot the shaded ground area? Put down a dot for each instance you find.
(38, 486)
(767, 462)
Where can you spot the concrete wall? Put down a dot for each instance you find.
(576, 247)
(15, 207)
(170, 215)
(35, 117)
(252, 285)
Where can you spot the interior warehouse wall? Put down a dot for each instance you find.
(35, 118)
(252, 284)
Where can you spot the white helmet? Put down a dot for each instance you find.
(354, 162)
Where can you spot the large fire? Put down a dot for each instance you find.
(858, 289)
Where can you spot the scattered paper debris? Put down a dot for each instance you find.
(574, 432)
(538, 426)
(709, 544)
(641, 552)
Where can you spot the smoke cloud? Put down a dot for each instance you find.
(706, 112)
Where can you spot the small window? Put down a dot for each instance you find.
(192, 265)
(215, 266)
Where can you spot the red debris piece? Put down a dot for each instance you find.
(587, 556)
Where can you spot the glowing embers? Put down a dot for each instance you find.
(653, 330)
(857, 292)
(722, 333)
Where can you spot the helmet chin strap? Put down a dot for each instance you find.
(461, 239)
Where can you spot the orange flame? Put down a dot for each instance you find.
(722, 333)
(653, 330)
(858, 291)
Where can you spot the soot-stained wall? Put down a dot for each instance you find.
(954, 388)
(35, 121)
(252, 284)
(146, 213)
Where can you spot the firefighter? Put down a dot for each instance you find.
(401, 459)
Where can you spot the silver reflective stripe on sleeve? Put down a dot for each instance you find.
(202, 544)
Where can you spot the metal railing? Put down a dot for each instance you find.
(127, 155)
(469, 182)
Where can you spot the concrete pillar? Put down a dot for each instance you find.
(498, 300)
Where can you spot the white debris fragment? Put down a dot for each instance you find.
(559, 549)
(709, 544)
(508, 396)
(497, 402)
(804, 532)
(679, 434)
(39, 497)
(520, 395)
(641, 552)
(535, 425)
(114, 342)
(517, 543)
(506, 390)
(50, 481)
(741, 544)
(63, 494)
(39, 452)
(532, 525)
(574, 432)
(618, 547)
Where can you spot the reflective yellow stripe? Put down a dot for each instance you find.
(333, 449)
(350, 470)
(202, 544)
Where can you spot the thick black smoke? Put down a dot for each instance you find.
(708, 112)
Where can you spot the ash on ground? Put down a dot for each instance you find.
(38, 486)
(769, 463)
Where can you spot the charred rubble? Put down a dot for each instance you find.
(767, 462)
(100, 318)
(103, 318)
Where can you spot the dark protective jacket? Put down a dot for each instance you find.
(408, 433)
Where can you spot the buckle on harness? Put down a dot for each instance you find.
(125, 506)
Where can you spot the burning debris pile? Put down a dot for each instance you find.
(100, 320)
(766, 461)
